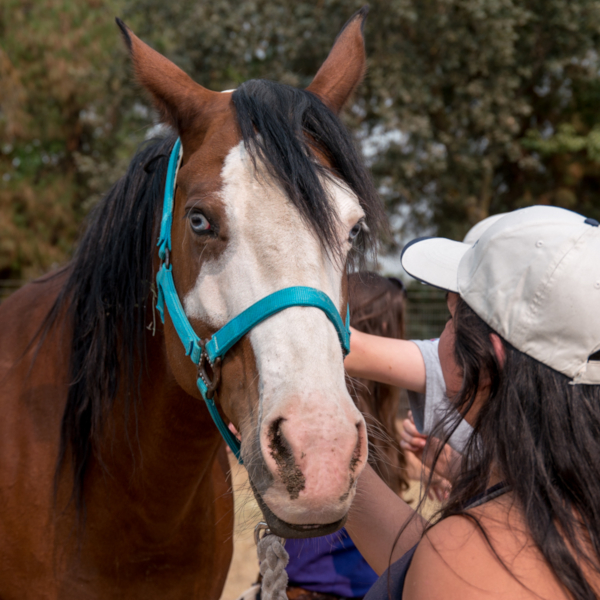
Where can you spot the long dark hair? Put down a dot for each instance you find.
(107, 297)
(288, 129)
(377, 306)
(542, 435)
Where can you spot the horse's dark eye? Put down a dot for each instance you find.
(199, 223)
(355, 231)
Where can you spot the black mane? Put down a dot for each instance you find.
(108, 290)
(283, 127)
(107, 293)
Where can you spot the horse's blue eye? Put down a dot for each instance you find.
(355, 231)
(199, 223)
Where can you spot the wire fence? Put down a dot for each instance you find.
(426, 312)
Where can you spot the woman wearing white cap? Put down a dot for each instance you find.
(415, 366)
(521, 362)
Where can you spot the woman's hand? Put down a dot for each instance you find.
(410, 438)
(418, 465)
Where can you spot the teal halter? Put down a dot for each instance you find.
(211, 351)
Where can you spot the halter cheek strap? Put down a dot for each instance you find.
(210, 352)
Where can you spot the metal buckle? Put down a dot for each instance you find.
(261, 531)
(261, 528)
(211, 382)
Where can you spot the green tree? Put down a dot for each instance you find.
(469, 107)
(473, 83)
(466, 104)
(65, 118)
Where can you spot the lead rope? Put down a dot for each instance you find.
(273, 560)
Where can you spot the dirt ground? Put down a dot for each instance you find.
(244, 565)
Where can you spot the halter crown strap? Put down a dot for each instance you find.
(167, 295)
(216, 347)
(164, 239)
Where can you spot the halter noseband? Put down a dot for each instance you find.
(209, 352)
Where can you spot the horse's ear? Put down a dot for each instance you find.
(345, 66)
(178, 98)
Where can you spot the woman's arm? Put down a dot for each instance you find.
(375, 518)
(388, 360)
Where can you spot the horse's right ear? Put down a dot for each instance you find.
(178, 98)
(345, 66)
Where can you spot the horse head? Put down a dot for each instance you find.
(271, 193)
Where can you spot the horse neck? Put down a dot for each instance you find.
(169, 443)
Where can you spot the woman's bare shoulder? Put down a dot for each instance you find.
(486, 554)
(451, 561)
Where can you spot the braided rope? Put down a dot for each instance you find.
(273, 561)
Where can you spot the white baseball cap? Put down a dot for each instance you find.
(534, 277)
(477, 230)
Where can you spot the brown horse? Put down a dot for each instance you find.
(113, 477)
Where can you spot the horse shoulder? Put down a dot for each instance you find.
(22, 314)
(34, 378)
(31, 404)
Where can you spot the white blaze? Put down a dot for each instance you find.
(297, 351)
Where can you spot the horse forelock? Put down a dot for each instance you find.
(301, 143)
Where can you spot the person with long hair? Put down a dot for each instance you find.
(520, 357)
(377, 308)
(429, 409)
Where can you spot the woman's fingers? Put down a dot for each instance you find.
(235, 432)
(410, 438)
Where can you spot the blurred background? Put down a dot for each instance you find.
(469, 107)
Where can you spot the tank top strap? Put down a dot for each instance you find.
(391, 583)
(490, 494)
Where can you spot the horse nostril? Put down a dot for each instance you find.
(282, 454)
(280, 449)
(356, 455)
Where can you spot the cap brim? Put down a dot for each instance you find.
(434, 261)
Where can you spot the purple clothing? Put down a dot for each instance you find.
(330, 564)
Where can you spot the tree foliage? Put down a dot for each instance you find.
(469, 107)
(62, 108)
(473, 84)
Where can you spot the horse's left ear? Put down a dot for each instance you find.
(345, 66)
(180, 100)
